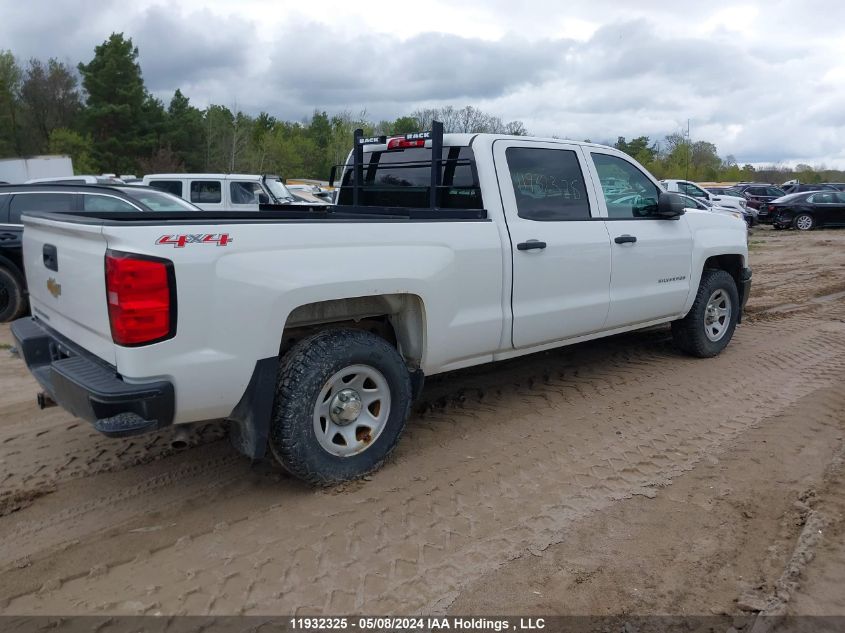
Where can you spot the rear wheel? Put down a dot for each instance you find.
(12, 297)
(342, 400)
(805, 222)
(709, 325)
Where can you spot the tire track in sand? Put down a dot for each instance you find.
(475, 483)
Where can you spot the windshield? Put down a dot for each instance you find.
(279, 191)
(159, 200)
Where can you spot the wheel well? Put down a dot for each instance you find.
(397, 318)
(732, 264)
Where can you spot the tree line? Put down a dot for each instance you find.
(102, 115)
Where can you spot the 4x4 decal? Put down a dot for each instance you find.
(179, 241)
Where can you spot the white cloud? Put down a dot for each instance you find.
(763, 81)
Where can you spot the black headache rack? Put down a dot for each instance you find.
(360, 211)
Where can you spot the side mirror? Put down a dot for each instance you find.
(669, 206)
(263, 198)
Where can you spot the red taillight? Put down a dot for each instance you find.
(141, 298)
(402, 143)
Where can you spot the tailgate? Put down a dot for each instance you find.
(65, 275)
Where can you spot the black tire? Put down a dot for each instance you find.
(12, 296)
(809, 226)
(689, 333)
(304, 372)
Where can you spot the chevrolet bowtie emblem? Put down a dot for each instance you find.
(54, 287)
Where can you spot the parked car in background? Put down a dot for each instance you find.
(805, 187)
(105, 179)
(722, 191)
(312, 193)
(748, 216)
(60, 198)
(692, 189)
(226, 192)
(806, 211)
(758, 193)
(836, 185)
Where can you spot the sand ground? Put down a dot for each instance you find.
(616, 477)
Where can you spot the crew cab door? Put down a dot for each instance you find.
(560, 247)
(650, 257)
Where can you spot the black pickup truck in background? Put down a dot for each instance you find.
(61, 198)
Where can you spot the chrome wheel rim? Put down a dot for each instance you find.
(717, 315)
(351, 410)
(804, 222)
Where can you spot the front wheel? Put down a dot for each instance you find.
(709, 325)
(805, 222)
(342, 400)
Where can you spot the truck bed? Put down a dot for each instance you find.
(270, 214)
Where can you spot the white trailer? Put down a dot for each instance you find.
(16, 171)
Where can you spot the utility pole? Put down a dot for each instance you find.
(689, 149)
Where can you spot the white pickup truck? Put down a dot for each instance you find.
(311, 330)
(696, 191)
(230, 192)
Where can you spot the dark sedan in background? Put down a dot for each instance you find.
(755, 193)
(800, 187)
(806, 211)
(16, 200)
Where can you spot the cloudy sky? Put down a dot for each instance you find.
(765, 81)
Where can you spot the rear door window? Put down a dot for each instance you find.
(403, 179)
(548, 184)
(170, 186)
(52, 202)
(822, 198)
(206, 191)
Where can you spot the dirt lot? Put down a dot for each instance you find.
(616, 477)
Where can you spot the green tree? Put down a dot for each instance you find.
(637, 148)
(117, 104)
(704, 161)
(259, 141)
(79, 148)
(50, 99)
(10, 85)
(405, 125)
(185, 132)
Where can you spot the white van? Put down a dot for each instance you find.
(219, 192)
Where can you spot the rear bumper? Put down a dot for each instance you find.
(88, 387)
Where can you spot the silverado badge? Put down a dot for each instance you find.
(54, 287)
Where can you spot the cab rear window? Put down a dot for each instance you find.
(402, 178)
